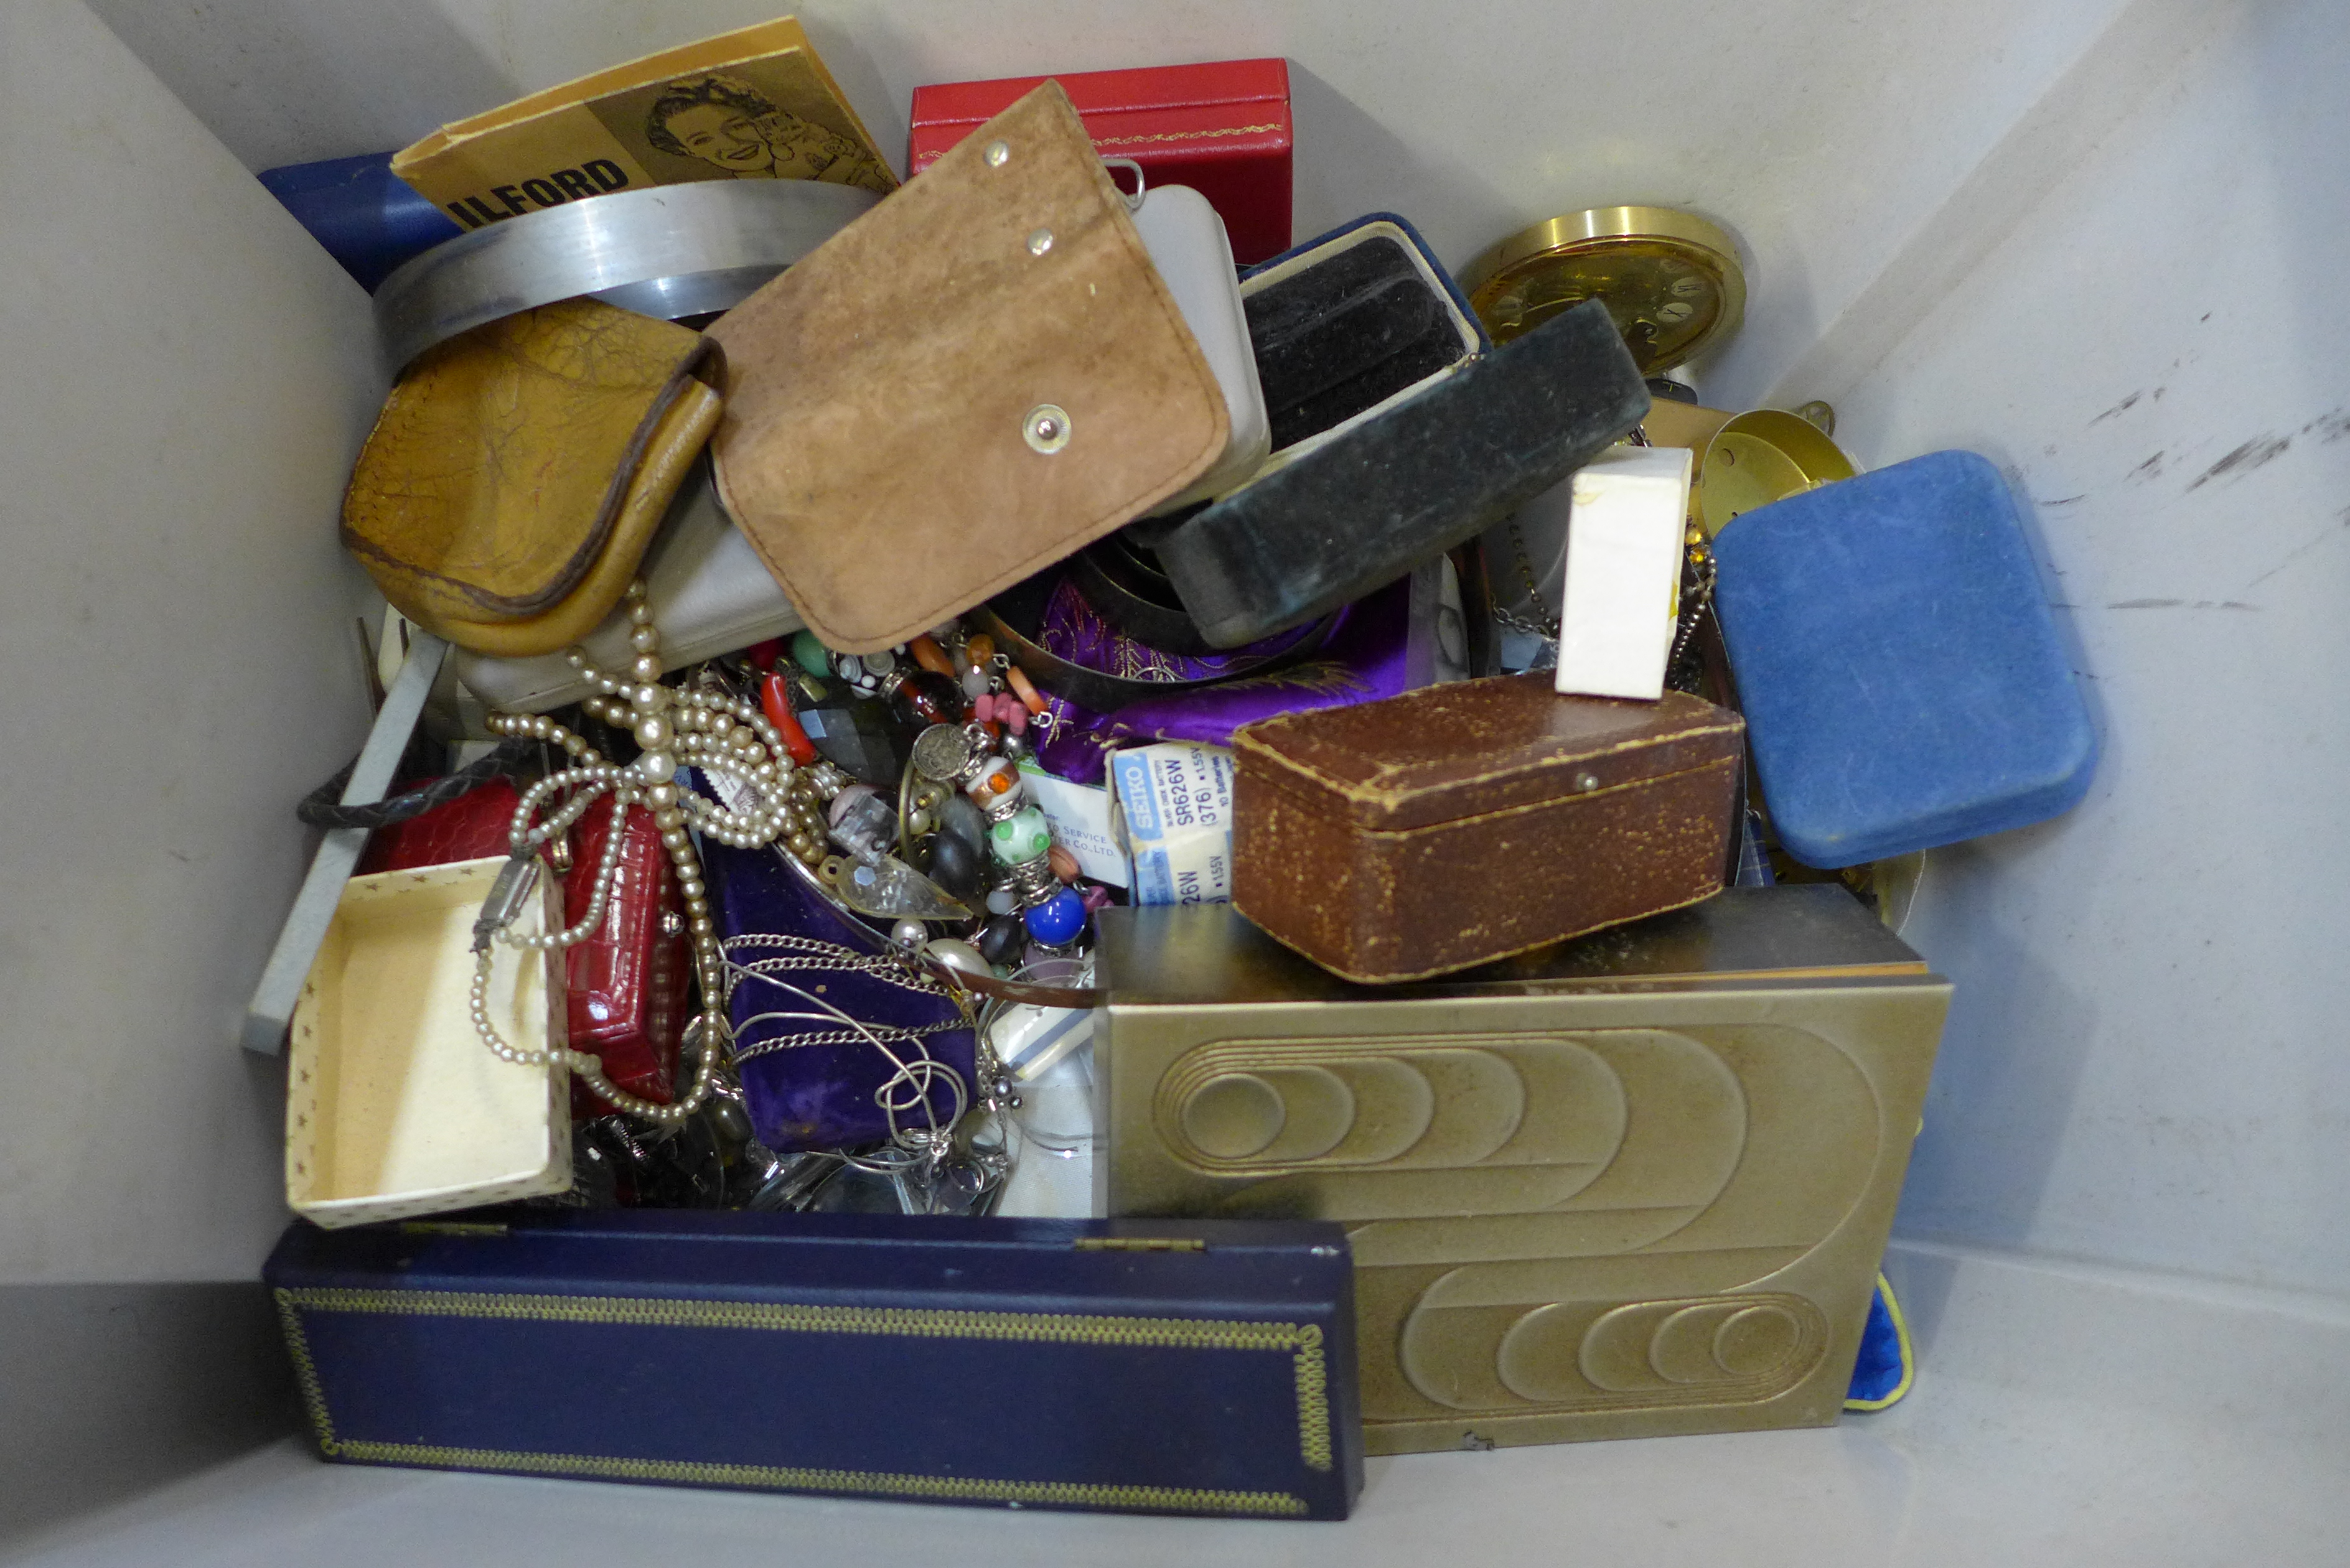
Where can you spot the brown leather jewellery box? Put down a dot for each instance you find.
(1460, 823)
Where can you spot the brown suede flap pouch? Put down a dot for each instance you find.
(973, 380)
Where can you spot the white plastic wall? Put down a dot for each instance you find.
(2147, 1060)
(2094, 239)
(183, 379)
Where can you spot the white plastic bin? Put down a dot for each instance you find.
(2099, 240)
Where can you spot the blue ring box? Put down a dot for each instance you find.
(1899, 664)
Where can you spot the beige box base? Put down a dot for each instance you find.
(394, 1108)
(1632, 1185)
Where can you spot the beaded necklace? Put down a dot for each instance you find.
(726, 737)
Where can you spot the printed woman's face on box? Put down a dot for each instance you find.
(720, 134)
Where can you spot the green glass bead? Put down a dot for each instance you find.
(811, 655)
(1019, 840)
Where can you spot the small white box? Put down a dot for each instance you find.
(1080, 815)
(1629, 508)
(1174, 803)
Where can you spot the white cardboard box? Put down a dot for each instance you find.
(1623, 572)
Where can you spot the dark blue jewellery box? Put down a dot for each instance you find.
(1158, 1367)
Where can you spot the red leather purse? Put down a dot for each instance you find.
(470, 827)
(627, 979)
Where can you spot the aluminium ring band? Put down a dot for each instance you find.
(665, 250)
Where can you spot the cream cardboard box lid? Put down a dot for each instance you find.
(395, 1107)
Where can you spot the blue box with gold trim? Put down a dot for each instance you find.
(1202, 1367)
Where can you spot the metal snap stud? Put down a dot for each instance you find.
(1040, 242)
(997, 151)
(1047, 427)
(1586, 782)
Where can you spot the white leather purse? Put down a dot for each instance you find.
(1187, 243)
(709, 592)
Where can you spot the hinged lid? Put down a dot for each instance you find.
(1263, 85)
(1449, 752)
(1181, 955)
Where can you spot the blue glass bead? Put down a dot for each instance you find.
(1058, 919)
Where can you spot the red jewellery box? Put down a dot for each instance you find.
(1222, 128)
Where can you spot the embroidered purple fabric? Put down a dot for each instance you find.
(1364, 660)
(813, 1082)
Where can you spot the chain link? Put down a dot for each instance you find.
(1697, 601)
(1547, 626)
(1540, 623)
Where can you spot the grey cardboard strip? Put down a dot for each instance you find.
(271, 1009)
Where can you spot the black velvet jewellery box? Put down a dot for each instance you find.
(1398, 430)
(1158, 1367)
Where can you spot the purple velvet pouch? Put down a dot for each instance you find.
(812, 1080)
(1365, 659)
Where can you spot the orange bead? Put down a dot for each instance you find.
(930, 655)
(1064, 864)
(979, 649)
(1000, 783)
(1028, 694)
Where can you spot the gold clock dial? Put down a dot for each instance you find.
(1670, 281)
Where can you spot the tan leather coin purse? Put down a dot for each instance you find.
(517, 473)
(968, 383)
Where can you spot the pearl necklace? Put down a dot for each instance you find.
(675, 727)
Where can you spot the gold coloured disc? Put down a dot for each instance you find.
(1762, 456)
(1670, 278)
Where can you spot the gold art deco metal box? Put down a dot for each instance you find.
(1633, 1185)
